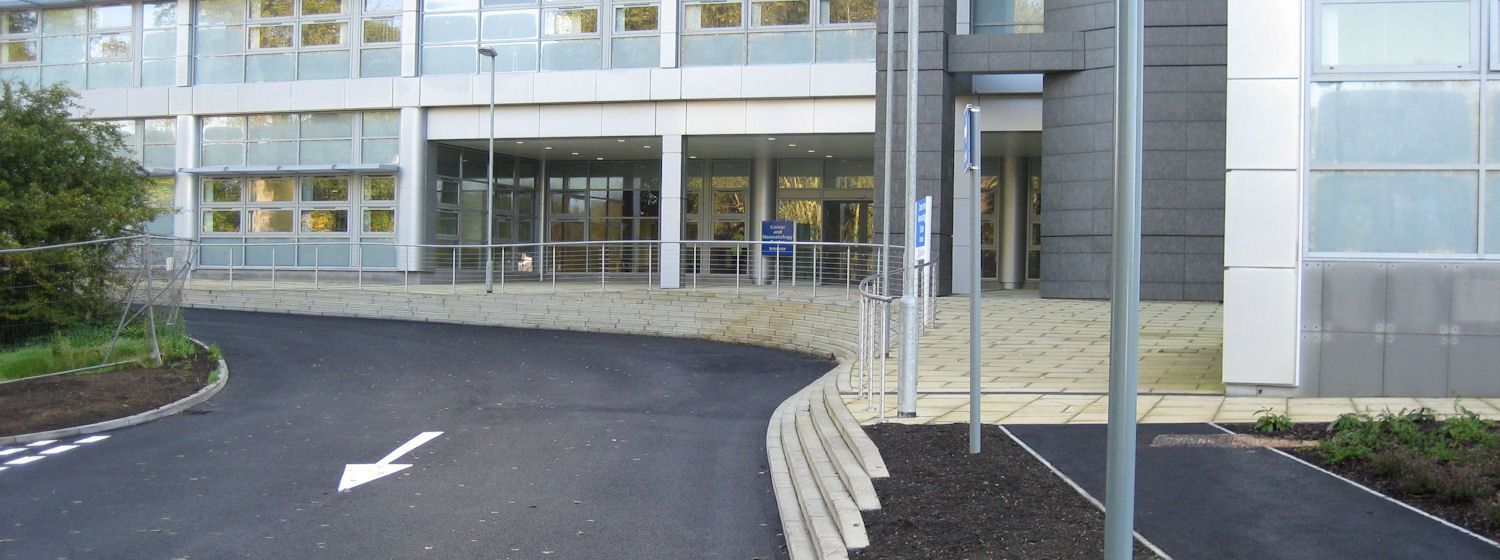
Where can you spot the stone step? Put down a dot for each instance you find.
(864, 449)
(850, 471)
(836, 496)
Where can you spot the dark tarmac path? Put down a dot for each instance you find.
(555, 445)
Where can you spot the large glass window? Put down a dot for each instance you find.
(527, 36)
(282, 40)
(300, 138)
(1006, 16)
(776, 32)
(90, 47)
(1393, 34)
(252, 220)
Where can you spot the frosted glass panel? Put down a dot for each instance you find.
(847, 45)
(636, 52)
(570, 55)
(323, 65)
(781, 48)
(327, 125)
(271, 153)
(513, 24)
(221, 70)
(1419, 33)
(1393, 212)
(382, 123)
(440, 5)
(72, 75)
(160, 43)
(222, 154)
(517, 57)
(1492, 214)
(158, 73)
(110, 75)
(713, 50)
(218, 40)
(159, 156)
(272, 127)
(22, 75)
(327, 151)
(270, 68)
(1395, 122)
(450, 27)
(378, 151)
(220, 11)
(448, 60)
(63, 49)
(376, 63)
(219, 129)
(60, 22)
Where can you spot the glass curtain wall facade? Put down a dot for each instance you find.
(1005, 16)
(1403, 139)
(129, 44)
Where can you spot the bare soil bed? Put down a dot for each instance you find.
(942, 502)
(65, 401)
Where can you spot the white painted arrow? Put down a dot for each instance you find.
(357, 474)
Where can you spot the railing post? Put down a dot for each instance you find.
(778, 271)
(273, 267)
(736, 270)
(315, 265)
(848, 269)
(453, 273)
(502, 269)
(554, 271)
(817, 267)
(602, 248)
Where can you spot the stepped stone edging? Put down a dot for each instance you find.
(809, 489)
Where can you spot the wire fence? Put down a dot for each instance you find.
(128, 284)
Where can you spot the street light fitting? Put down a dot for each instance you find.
(487, 51)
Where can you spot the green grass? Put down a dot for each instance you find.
(84, 346)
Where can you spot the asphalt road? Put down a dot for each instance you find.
(1216, 503)
(554, 445)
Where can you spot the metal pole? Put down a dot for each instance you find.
(150, 302)
(906, 390)
(489, 186)
(890, 109)
(972, 114)
(1125, 285)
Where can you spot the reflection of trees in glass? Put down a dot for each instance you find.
(161, 191)
(271, 8)
(380, 188)
(718, 15)
(808, 214)
(160, 14)
(326, 189)
(271, 190)
(221, 221)
(322, 34)
(849, 11)
(729, 203)
(568, 22)
(109, 46)
(271, 221)
(316, 7)
(383, 30)
(636, 18)
(19, 51)
(20, 22)
(799, 182)
(380, 221)
(271, 37)
(784, 12)
(221, 190)
(325, 221)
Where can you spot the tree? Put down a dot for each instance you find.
(62, 180)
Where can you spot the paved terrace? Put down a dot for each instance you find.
(1046, 361)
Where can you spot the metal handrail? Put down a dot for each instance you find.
(876, 298)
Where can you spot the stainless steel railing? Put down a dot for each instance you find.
(877, 295)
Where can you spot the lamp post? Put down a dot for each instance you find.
(489, 184)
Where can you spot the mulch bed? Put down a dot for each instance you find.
(942, 502)
(1470, 516)
(65, 401)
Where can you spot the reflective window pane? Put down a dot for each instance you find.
(325, 189)
(1393, 212)
(320, 7)
(221, 190)
(323, 34)
(635, 18)
(379, 221)
(379, 188)
(327, 125)
(270, 221)
(270, 36)
(278, 189)
(570, 21)
(272, 127)
(381, 123)
(18, 51)
(846, 45)
(854, 11)
(64, 21)
(510, 24)
(160, 43)
(17, 23)
(1006, 16)
(382, 5)
(221, 221)
(382, 30)
(159, 15)
(711, 16)
(213, 12)
(515, 57)
(635, 52)
(216, 129)
(271, 68)
(271, 8)
(442, 5)
(779, 12)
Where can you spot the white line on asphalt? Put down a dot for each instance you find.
(24, 460)
(44, 442)
(92, 439)
(12, 451)
(59, 449)
(3, 468)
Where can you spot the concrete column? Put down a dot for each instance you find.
(762, 209)
(670, 224)
(667, 21)
(1012, 222)
(414, 193)
(185, 197)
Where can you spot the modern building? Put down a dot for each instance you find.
(1323, 167)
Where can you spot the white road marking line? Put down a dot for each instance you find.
(42, 443)
(92, 439)
(12, 451)
(3, 468)
(357, 474)
(59, 449)
(24, 460)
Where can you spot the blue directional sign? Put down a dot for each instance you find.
(777, 231)
(924, 230)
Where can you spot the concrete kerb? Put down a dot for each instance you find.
(195, 399)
